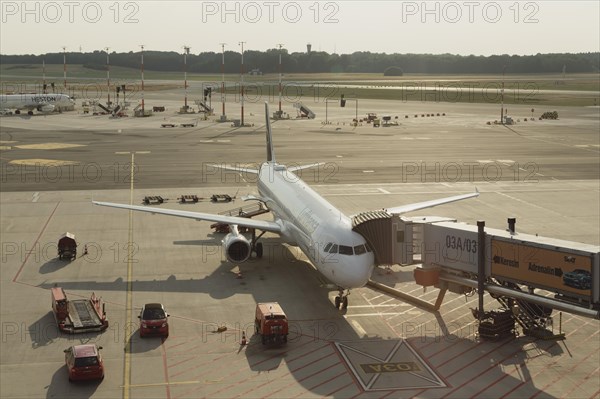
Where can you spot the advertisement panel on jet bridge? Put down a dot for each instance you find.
(557, 270)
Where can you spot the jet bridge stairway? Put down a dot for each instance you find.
(534, 319)
(304, 111)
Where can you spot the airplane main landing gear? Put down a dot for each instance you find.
(341, 299)
(257, 247)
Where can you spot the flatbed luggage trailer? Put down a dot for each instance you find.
(79, 315)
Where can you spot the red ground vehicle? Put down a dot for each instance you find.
(84, 362)
(153, 320)
(79, 315)
(271, 322)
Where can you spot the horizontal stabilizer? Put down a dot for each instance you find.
(302, 167)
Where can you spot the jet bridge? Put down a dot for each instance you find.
(528, 275)
(389, 236)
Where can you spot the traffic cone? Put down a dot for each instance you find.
(243, 338)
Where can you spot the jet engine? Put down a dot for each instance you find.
(237, 247)
(46, 108)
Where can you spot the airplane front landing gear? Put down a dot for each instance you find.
(341, 299)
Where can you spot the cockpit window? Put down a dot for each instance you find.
(326, 249)
(333, 249)
(368, 247)
(346, 250)
(359, 249)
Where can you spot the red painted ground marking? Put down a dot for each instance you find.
(201, 365)
(587, 377)
(339, 389)
(165, 367)
(528, 379)
(291, 383)
(241, 359)
(34, 244)
(183, 361)
(324, 382)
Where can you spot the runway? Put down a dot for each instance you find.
(544, 173)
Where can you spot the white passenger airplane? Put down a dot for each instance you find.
(302, 218)
(41, 102)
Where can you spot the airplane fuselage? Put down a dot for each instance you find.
(40, 102)
(319, 229)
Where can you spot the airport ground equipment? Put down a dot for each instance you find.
(79, 315)
(497, 324)
(188, 198)
(67, 246)
(203, 107)
(247, 211)
(221, 198)
(153, 200)
(271, 323)
(158, 108)
(549, 115)
(304, 111)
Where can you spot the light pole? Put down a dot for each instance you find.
(65, 68)
(280, 113)
(223, 80)
(185, 54)
(242, 83)
(143, 110)
(502, 97)
(107, 77)
(44, 76)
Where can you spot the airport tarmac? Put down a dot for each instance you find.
(544, 173)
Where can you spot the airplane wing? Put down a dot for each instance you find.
(263, 225)
(430, 204)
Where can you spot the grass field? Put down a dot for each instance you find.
(540, 89)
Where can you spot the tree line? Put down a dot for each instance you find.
(322, 62)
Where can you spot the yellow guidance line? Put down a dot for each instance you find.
(161, 384)
(129, 299)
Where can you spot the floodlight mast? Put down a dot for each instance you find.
(143, 110)
(107, 76)
(280, 45)
(65, 68)
(185, 85)
(242, 83)
(44, 76)
(223, 78)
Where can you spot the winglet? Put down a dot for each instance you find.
(270, 153)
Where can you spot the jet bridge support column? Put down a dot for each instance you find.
(481, 266)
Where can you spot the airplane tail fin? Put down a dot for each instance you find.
(270, 153)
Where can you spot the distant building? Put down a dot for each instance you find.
(308, 48)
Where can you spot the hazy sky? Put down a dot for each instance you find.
(457, 27)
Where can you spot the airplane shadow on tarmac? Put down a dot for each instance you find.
(319, 332)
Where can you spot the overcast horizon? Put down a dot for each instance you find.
(343, 27)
